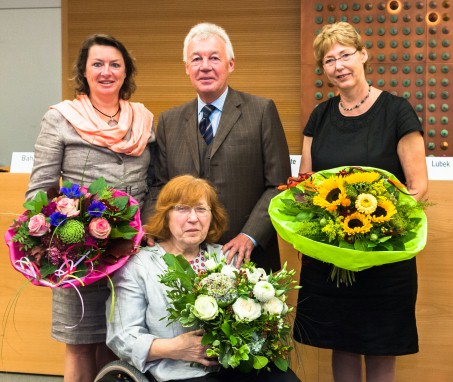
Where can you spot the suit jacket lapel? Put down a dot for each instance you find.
(191, 133)
(230, 115)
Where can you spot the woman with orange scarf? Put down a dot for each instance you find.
(100, 133)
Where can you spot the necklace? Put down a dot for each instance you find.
(358, 105)
(112, 122)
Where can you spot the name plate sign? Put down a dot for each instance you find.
(440, 168)
(22, 162)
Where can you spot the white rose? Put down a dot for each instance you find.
(263, 291)
(273, 307)
(205, 307)
(210, 264)
(246, 309)
(229, 271)
(254, 275)
(285, 309)
(262, 272)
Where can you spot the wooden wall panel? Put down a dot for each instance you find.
(264, 34)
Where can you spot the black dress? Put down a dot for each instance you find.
(375, 315)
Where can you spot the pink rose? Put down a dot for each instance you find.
(38, 225)
(99, 228)
(69, 207)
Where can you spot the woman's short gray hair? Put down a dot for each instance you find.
(202, 32)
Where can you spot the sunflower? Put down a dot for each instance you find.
(362, 177)
(366, 203)
(384, 211)
(330, 193)
(356, 223)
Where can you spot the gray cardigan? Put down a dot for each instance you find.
(139, 305)
(61, 153)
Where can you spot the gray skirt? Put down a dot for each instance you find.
(80, 319)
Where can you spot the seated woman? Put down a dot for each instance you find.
(187, 219)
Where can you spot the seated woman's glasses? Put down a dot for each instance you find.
(185, 210)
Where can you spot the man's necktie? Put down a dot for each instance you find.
(206, 125)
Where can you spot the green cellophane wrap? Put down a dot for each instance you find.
(287, 227)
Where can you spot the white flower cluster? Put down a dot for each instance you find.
(221, 292)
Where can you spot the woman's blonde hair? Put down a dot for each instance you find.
(341, 33)
(186, 189)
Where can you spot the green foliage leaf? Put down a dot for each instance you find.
(292, 207)
(259, 362)
(281, 363)
(360, 245)
(124, 231)
(345, 244)
(226, 328)
(208, 338)
(47, 269)
(98, 186)
(398, 244)
(130, 212)
(305, 216)
(120, 202)
(179, 269)
(37, 203)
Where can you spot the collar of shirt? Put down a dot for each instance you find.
(216, 114)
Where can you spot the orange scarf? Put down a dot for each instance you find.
(136, 121)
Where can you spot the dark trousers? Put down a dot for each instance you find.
(231, 375)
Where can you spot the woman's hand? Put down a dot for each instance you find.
(185, 347)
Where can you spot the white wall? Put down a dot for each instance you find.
(30, 70)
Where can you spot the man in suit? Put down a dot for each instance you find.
(243, 153)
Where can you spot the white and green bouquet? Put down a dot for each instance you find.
(243, 311)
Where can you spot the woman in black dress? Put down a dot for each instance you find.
(374, 317)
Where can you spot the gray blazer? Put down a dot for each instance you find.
(61, 153)
(249, 158)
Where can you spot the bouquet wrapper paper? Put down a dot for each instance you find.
(352, 260)
(100, 271)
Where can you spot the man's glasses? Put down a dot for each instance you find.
(330, 62)
(185, 210)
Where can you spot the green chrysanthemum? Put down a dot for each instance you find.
(71, 232)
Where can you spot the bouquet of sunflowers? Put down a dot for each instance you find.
(243, 311)
(352, 217)
(74, 236)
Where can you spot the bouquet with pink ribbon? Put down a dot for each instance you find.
(74, 236)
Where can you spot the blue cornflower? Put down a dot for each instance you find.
(57, 218)
(73, 192)
(96, 208)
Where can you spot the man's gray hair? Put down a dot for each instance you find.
(202, 32)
